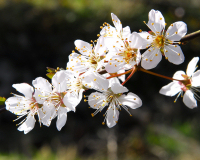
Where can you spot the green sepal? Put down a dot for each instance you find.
(50, 75)
(51, 70)
(2, 100)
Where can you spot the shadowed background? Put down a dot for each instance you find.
(35, 34)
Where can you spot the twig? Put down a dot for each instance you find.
(190, 36)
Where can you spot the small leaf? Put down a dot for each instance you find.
(51, 70)
(2, 100)
(50, 75)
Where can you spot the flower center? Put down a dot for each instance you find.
(57, 99)
(186, 83)
(129, 54)
(159, 41)
(94, 61)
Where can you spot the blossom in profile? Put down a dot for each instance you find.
(24, 105)
(161, 42)
(111, 95)
(117, 31)
(188, 84)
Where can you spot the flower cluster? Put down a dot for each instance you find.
(100, 66)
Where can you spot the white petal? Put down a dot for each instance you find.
(118, 88)
(108, 31)
(131, 100)
(196, 79)
(28, 125)
(39, 97)
(100, 46)
(59, 81)
(116, 22)
(94, 80)
(62, 118)
(176, 31)
(147, 39)
(192, 65)
(96, 100)
(126, 32)
(77, 63)
(189, 99)
(113, 80)
(83, 47)
(45, 114)
(136, 41)
(178, 75)
(18, 105)
(122, 77)
(156, 21)
(24, 88)
(42, 84)
(117, 63)
(112, 117)
(71, 101)
(151, 58)
(174, 54)
(171, 89)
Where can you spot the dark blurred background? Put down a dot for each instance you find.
(35, 34)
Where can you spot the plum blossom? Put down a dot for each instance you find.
(111, 95)
(56, 99)
(91, 57)
(189, 83)
(162, 42)
(117, 31)
(123, 54)
(24, 105)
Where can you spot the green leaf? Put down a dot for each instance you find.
(50, 75)
(51, 70)
(2, 100)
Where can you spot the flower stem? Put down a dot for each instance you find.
(134, 69)
(156, 74)
(117, 75)
(190, 36)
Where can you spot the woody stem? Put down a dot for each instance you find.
(155, 74)
(117, 75)
(190, 36)
(134, 69)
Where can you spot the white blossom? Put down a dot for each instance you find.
(162, 42)
(56, 99)
(115, 99)
(91, 57)
(117, 31)
(189, 83)
(24, 105)
(123, 54)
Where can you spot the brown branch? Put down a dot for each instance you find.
(190, 36)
